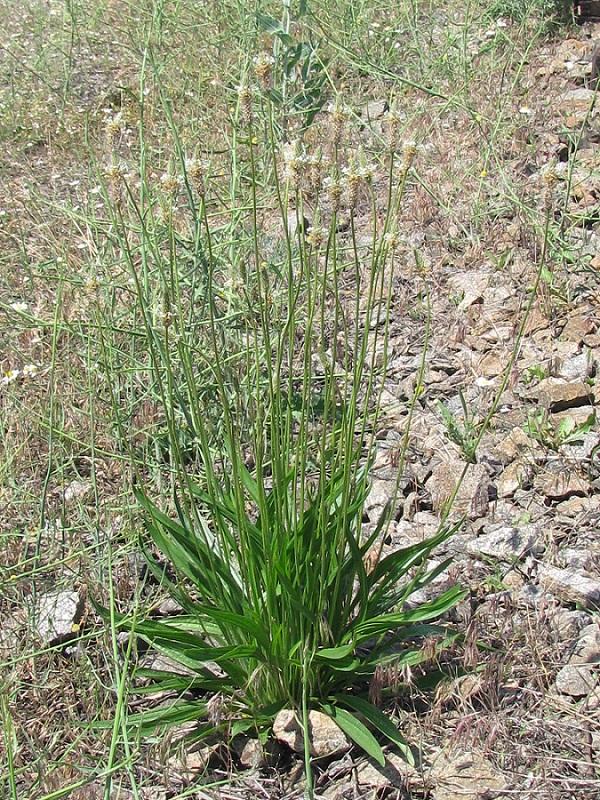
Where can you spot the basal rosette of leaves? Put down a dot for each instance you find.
(275, 617)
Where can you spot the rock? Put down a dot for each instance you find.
(56, 616)
(506, 543)
(404, 534)
(469, 282)
(568, 421)
(561, 485)
(571, 586)
(326, 738)
(572, 558)
(296, 226)
(517, 475)
(466, 774)
(592, 703)
(578, 327)
(427, 524)
(369, 778)
(516, 444)
(532, 596)
(575, 681)
(587, 649)
(584, 449)
(472, 498)
(253, 755)
(575, 105)
(574, 367)
(573, 506)
(569, 624)
(382, 492)
(77, 490)
(556, 394)
(490, 366)
(375, 109)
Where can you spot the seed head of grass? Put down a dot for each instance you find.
(263, 67)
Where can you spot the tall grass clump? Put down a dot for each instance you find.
(266, 341)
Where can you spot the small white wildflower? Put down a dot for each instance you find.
(484, 382)
(30, 370)
(21, 308)
(525, 110)
(10, 376)
(501, 23)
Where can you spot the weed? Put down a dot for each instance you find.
(281, 401)
(535, 372)
(540, 427)
(466, 432)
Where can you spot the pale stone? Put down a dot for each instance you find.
(472, 498)
(505, 542)
(576, 681)
(587, 649)
(571, 586)
(556, 394)
(77, 490)
(517, 475)
(56, 615)
(465, 774)
(576, 105)
(578, 327)
(326, 738)
(574, 367)
(560, 485)
(381, 493)
(569, 624)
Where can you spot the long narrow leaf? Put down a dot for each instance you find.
(379, 720)
(356, 730)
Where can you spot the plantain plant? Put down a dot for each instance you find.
(276, 373)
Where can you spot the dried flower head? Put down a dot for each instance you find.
(170, 182)
(391, 239)
(117, 171)
(245, 98)
(392, 124)
(358, 172)
(114, 129)
(352, 182)
(196, 171)
(294, 162)
(334, 189)
(317, 233)
(263, 67)
(316, 165)
(339, 115)
(409, 151)
(549, 178)
(549, 174)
